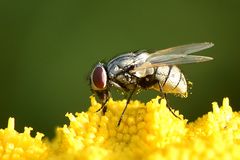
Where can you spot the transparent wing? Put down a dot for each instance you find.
(184, 49)
(178, 59)
(175, 56)
(172, 60)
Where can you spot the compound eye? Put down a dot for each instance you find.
(99, 78)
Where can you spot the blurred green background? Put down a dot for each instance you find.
(49, 47)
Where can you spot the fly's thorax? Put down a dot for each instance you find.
(172, 80)
(125, 62)
(119, 64)
(119, 70)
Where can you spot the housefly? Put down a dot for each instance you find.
(134, 71)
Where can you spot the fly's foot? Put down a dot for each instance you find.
(103, 108)
(171, 110)
(164, 96)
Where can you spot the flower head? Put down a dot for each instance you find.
(147, 131)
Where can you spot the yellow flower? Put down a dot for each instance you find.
(21, 146)
(147, 131)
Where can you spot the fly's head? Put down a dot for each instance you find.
(98, 82)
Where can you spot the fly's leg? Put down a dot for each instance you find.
(103, 107)
(104, 97)
(128, 100)
(164, 96)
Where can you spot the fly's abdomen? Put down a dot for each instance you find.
(172, 80)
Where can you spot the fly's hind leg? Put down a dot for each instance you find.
(164, 96)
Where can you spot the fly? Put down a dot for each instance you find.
(134, 71)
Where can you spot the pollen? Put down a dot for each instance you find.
(147, 131)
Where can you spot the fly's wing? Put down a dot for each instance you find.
(175, 56)
(184, 49)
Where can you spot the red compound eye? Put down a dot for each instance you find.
(99, 78)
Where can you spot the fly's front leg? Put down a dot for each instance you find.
(104, 97)
(164, 96)
(103, 107)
